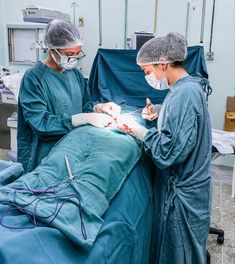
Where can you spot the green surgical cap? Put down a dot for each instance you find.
(163, 49)
(60, 34)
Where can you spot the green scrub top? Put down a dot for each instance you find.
(180, 147)
(47, 100)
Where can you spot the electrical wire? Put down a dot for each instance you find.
(33, 215)
(212, 25)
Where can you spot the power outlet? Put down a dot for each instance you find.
(210, 55)
(81, 21)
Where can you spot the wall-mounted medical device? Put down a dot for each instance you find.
(38, 14)
(22, 41)
(137, 40)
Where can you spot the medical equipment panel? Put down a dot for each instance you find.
(137, 40)
(22, 41)
(38, 14)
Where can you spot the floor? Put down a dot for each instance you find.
(223, 214)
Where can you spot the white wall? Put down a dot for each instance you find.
(171, 16)
(2, 34)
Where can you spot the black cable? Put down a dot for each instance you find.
(212, 25)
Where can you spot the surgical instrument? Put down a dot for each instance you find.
(71, 177)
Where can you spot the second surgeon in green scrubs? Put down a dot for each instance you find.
(54, 97)
(179, 144)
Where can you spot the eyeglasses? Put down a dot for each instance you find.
(71, 59)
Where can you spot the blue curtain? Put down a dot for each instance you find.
(115, 76)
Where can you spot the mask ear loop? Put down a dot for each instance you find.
(53, 56)
(58, 52)
(58, 63)
(158, 82)
(164, 79)
(63, 58)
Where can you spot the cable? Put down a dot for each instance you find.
(212, 25)
(33, 215)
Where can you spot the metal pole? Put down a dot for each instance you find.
(126, 18)
(203, 21)
(187, 20)
(100, 22)
(74, 5)
(155, 16)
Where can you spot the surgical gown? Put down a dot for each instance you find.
(181, 150)
(47, 99)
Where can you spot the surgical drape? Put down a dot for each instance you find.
(100, 160)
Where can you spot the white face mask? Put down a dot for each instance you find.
(65, 62)
(155, 83)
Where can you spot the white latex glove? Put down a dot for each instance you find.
(149, 111)
(127, 123)
(94, 119)
(110, 108)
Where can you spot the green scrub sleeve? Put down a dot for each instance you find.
(36, 114)
(87, 101)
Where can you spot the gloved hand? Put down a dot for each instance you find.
(94, 119)
(127, 123)
(149, 112)
(110, 108)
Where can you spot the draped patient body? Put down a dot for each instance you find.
(72, 187)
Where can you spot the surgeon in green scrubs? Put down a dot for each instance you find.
(54, 97)
(180, 147)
